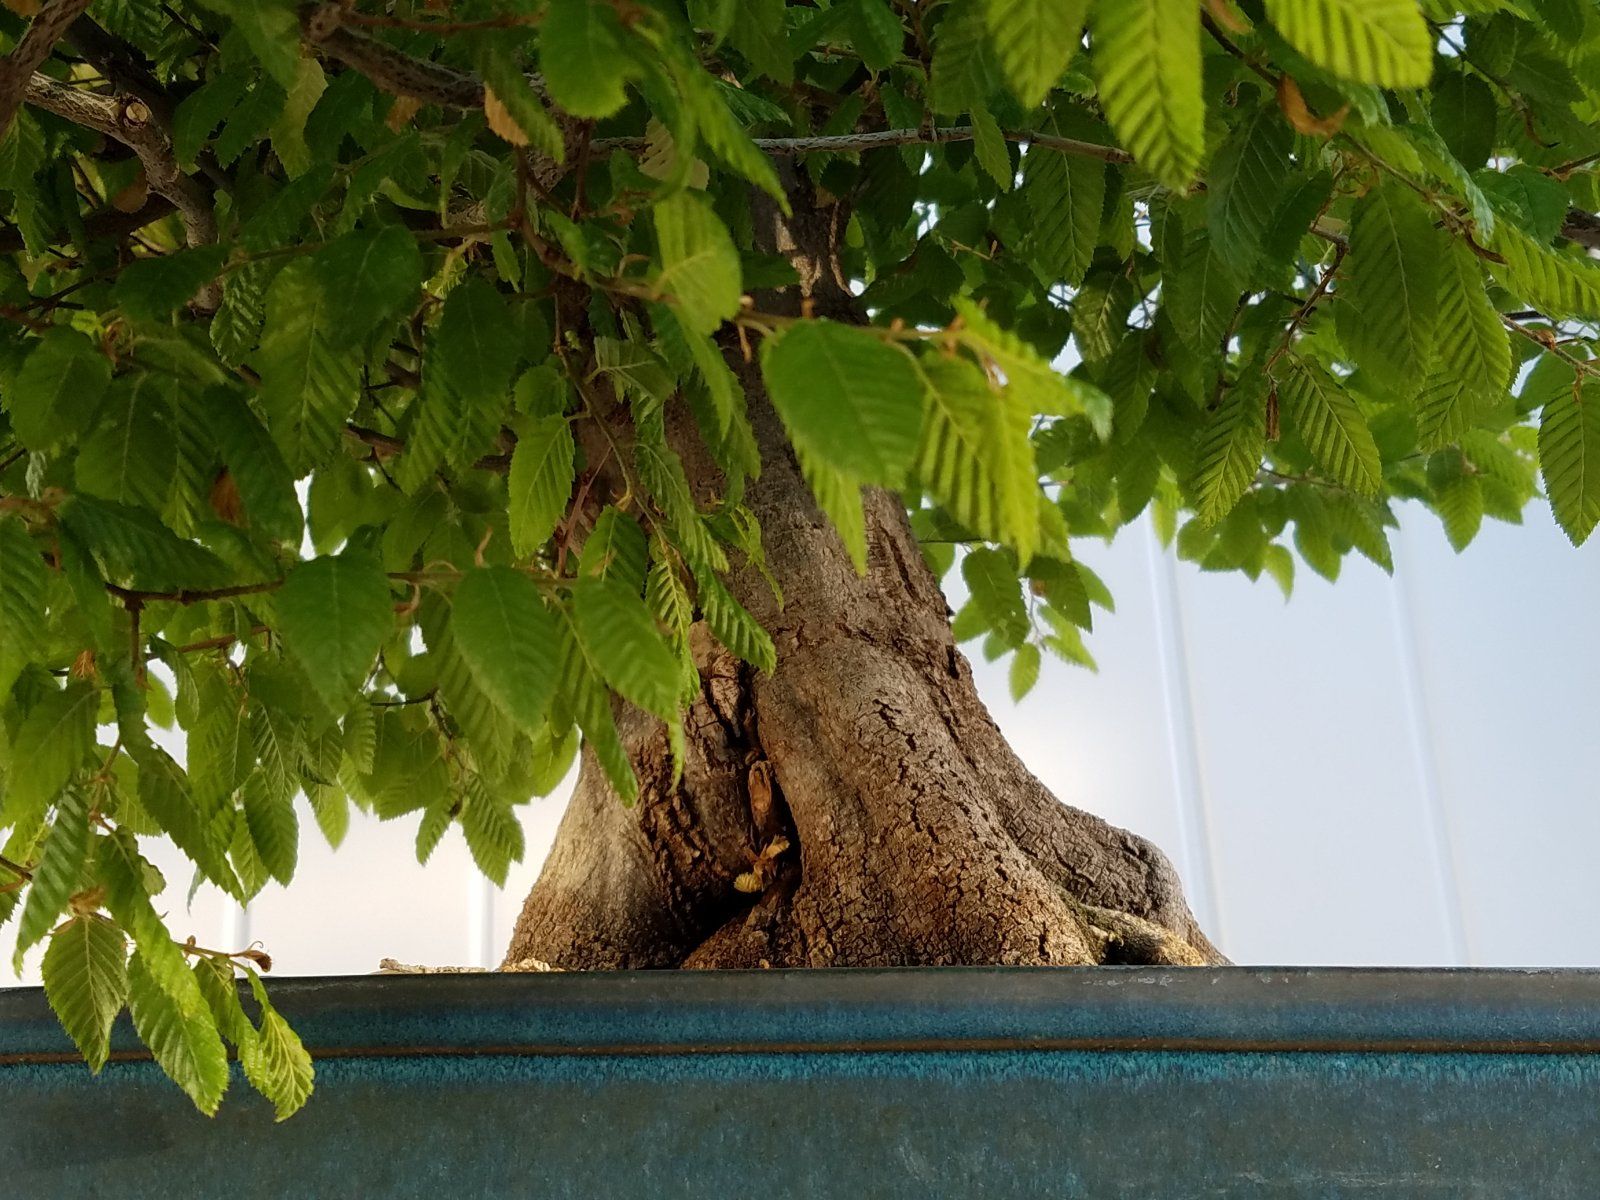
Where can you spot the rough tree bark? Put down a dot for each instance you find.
(857, 807)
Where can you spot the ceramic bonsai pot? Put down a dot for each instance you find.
(963, 1082)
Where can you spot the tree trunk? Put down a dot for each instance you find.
(858, 806)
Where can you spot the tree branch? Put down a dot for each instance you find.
(395, 72)
(847, 143)
(17, 68)
(131, 122)
(1582, 227)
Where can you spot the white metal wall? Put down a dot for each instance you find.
(1397, 771)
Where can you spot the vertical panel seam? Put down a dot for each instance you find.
(1183, 737)
(1425, 755)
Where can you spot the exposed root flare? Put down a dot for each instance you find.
(1125, 940)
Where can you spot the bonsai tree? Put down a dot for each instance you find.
(405, 398)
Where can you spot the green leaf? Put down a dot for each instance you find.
(1147, 63)
(59, 871)
(85, 976)
(1034, 40)
(1472, 343)
(1458, 499)
(274, 828)
(493, 833)
(699, 264)
(334, 613)
(510, 639)
(976, 456)
(22, 600)
(1229, 451)
(275, 1061)
(1387, 302)
(996, 590)
(507, 86)
(583, 58)
(1333, 428)
(182, 1035)
(135, 549)
(1558, 284)
(1569, 458)
(1066, 197)
(58, 734)
(377, 276)
(131, 454)
(1024, 673)
(540, 482)
(264, 480)
(1202, 292)
(153, 288)
(476, 344)
(309, 382)
(838, 495)
(1382, 42)
(732, 625)
(1247, 179)
(56, 393)
(615, 549)
(848, 399)
(620, 637)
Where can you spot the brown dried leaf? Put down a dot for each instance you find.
(401, 112)
(225, 499)
(23, 8)
(133, 197)
(501, 120)
(1293, 104)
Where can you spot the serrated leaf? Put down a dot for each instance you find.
(274, 827)
(377, 275)
(1569, 459)
(58, 390)
(309, 382)
(510, 640)
(85, 977)
(976, 457)
(58, 734)
(1202, 292)
(1387, 301)
(1024, 671)
(620, 637)
(22, 600)
(838, 495)
(1229, 450)
(58, 873)
(699, 263)
(493, 833)
(1382, 42)
(996, 591)
(135, 549)
(1147, 64)
(1556, 283)
(130, 454)
(1327, 418)
(733, 625)
(1472, 345)
(155, 287)
(275, 1061)
(1066, 197)
(264, 480)
(581, 53)
(182, 1036)
(848, 399)
(1033, 41)
(334, 612)
(1247, 179)
(514, 111)
(540, 482)
(615, 549)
